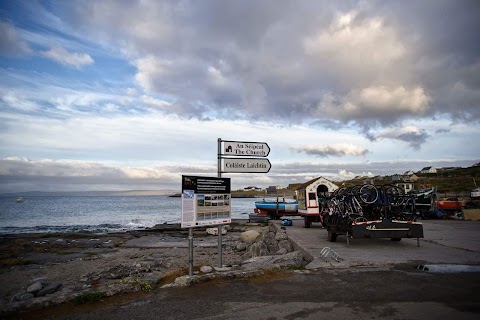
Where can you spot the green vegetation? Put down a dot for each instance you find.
(145, 285)
(14, 262)
(296, 267)
(451, 180)
(89, 297)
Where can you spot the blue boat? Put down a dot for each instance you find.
(276, 209)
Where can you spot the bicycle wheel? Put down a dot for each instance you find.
(368, 193)
(395, 195)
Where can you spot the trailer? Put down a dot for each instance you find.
(369, 211)
(387, 228)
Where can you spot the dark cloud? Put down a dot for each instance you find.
(295, 61)
(337, 150)
(415, 137)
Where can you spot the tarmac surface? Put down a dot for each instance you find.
(444, 242)
(374, 279)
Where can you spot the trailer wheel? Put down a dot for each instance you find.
(308, 223)
(332, 236)
(395, 239)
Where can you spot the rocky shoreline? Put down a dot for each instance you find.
(43, 270)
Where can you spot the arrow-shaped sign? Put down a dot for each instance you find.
(245, 149)
(247, 165)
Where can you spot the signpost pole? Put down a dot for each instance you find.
(190, 252)
(219, 173)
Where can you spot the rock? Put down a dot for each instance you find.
(281, 235)
(25, 296)
(49, 289)
(241, 246)
(17, 296)
(282, 251)
(206, 269)
(183, 281)
(119, 272)
(222, 269)
(271, 242)
(281, 261)
(34, 288)
(214, 231)
(249, 236)
(258, 249)
(285, 244)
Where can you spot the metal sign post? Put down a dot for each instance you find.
(219, 174)
(240, 157)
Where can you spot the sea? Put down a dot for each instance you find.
(97, 214)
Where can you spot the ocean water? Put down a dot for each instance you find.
(96, 214)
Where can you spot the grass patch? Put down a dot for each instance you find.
(145, 285)
(14, 262)
(89, 297)
(296, 267)
(170, 276)
(271, 274)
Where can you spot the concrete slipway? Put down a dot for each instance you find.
(444, 242)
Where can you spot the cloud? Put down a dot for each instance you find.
(335, 150)
(355, 43)
(376, 103)
(59, 54)
(356, 63)
(23, 174)
(150, 101)
(414, 136)
(10, 43)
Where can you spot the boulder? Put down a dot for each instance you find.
(281, 235)
(285, 244)
(206, 269)
(272, 243)
(258, 249)
(249, 236)
(282, 251)
(214, 231)
(279, 261)
(241, 246)
(49, 289)
(34, 288)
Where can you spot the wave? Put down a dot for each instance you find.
(95, 229)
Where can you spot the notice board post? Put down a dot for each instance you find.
(206, 201)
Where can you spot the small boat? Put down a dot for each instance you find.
(276, 209)
(449, 204)
(274, 205)
(19, 199)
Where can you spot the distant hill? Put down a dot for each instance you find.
(449, 180)
(90, 193)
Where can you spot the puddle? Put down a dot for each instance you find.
(448, 268)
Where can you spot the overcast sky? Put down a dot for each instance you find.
(120, 95)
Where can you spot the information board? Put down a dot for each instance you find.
(205, 201)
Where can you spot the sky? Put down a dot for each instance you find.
(130, 95)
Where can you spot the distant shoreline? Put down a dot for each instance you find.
(178, 195)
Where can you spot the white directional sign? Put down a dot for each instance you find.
(248, 165)
(245, 149)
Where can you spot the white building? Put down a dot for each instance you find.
(428, 170)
